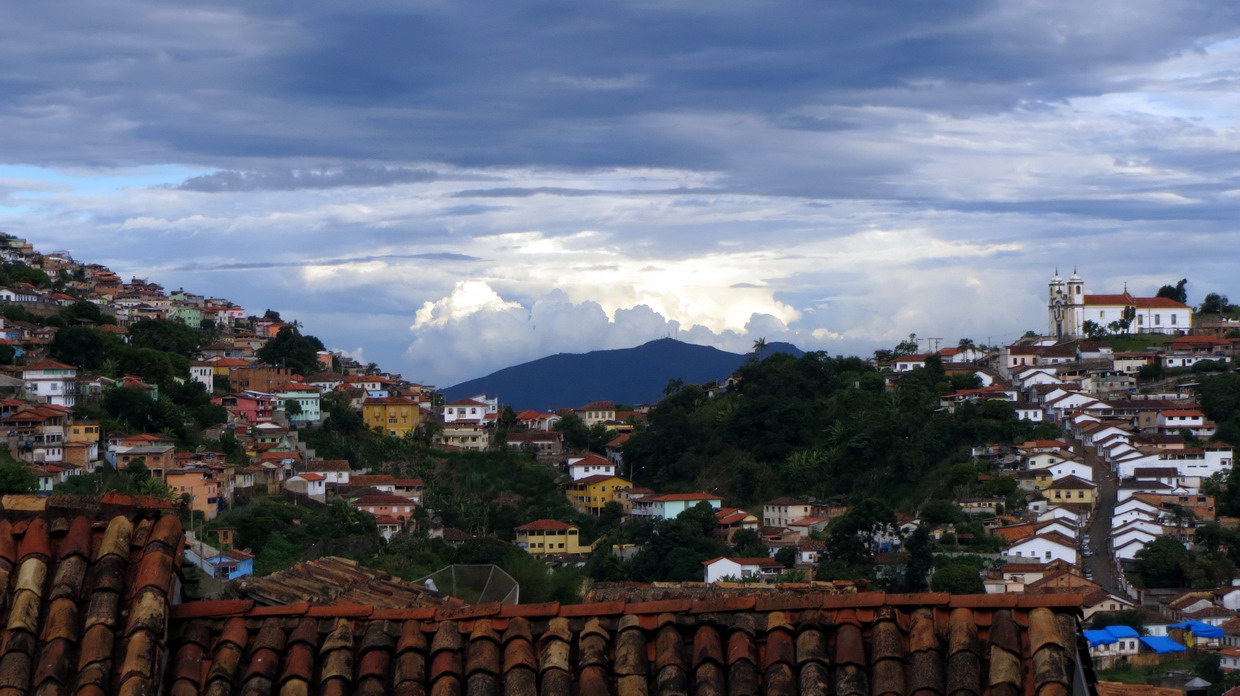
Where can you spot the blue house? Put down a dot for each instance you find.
(226, 565)
(230, 565)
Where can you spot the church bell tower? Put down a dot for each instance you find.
(1056, 305)
(1065, 306)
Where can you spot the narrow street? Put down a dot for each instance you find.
(1099, 528)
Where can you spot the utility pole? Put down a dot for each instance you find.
(936, 344)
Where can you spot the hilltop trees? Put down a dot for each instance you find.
(813, 426)
(1177, 292)
(1215, 303)
(292, 350)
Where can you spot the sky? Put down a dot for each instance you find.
(450, 188)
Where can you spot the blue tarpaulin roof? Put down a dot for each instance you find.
(1200, 628)
(1110, 634)
(1162, 644)
(1100, 637)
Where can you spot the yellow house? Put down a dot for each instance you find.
(83, 431)
(542, 537)
(592, 493)
(1070, 489)
(392, 415)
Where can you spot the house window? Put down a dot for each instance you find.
(1173, 320)
(1157, 318)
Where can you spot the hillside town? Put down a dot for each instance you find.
(1098, 481)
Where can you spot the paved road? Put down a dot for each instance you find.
(1100, 526)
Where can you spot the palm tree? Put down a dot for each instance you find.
(759, 345)
(966, 344)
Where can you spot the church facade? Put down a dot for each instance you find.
(1069, 308)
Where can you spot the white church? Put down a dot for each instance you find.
(1069, 308)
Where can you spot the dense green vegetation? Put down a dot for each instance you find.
(134, 479)
(15, 477)
(17, 272)
(280, 533)
(1165, 562)
(817, 426)
(1135, 343)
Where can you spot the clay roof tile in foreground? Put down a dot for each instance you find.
(846, 644)
(88, 609)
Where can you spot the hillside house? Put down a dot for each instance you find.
(592, 493)
(718, 569)
(669, 505)
(51, 382)
(313, 486)
(545, 537)
(781, 512)
(392, 415)
(584, 466)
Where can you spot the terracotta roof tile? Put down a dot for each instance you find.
(869, 644)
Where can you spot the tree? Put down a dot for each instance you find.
(166, 336)
(1126, 617)
(16, 478)
(1126, 317)
(920, 560)
(957, 578)
(1093, 330)
(759, 345)
(292, 350)
(1162, 563)
(938, 512)
(1176, 292)
(853, 535)
(1215, 303)
(787, 556)
(83, 347)
(576, 434)
(747, 544)
(906, 347)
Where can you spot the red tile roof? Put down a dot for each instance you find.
(544, 526)
(48, 365)
(596, 478)
(784, 645)
(670, 497)
(105, 602)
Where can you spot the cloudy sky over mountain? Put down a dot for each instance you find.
(448, 188)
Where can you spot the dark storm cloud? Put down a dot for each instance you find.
(559, 83)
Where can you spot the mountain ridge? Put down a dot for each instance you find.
(624, 375)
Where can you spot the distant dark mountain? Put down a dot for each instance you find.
(627, 376)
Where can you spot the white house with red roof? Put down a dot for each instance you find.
(333, 471)
(536, 420)
(475, 409)
(590, 464)
(51, 382)
(1173, 420)
(669, 505)
(313, 486)
(1045, 548)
